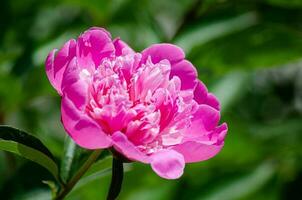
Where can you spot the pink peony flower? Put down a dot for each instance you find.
(149, 106)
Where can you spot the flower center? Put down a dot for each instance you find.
(141, 102)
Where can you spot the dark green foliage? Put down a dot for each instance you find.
(21, 143)
(249, 54)
(11, 134)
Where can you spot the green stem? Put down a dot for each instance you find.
(116, 179)
(69, 186)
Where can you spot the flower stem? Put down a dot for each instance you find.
(116, 179)
(73, 181)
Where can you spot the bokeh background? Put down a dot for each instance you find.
(248, 52)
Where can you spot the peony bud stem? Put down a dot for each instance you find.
(116, 179)
(73, 181)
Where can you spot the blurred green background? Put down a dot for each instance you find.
(248, 52)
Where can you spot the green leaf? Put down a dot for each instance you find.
(100, 165)
(205, 33)
(241, 187)
(99, 170)
(73, 158)
(53, 187)
(68, 158)
(25, 145)
(95, 176)
(286, 4)
(230, 88)
(35, 194)
(265, 45)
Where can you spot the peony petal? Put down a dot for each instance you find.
(56, 64)
(220, 132)
(82, 129)
(75, 84)
(127, 148)
(49, 64)
(94, 45)
(205, 118)
(213, 101)
(168, 164)
(202, 96)
(159, 52)
(186, 72)
(200, 93)
(193, 151)
(179, 67)
(121, 48)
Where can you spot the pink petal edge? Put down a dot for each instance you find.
(187, 74)
(168, 164)
(202, 96)
(159, 52)
(195, 151)
(121, 47)
(126, 148)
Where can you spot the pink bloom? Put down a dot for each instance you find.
(148, 106)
